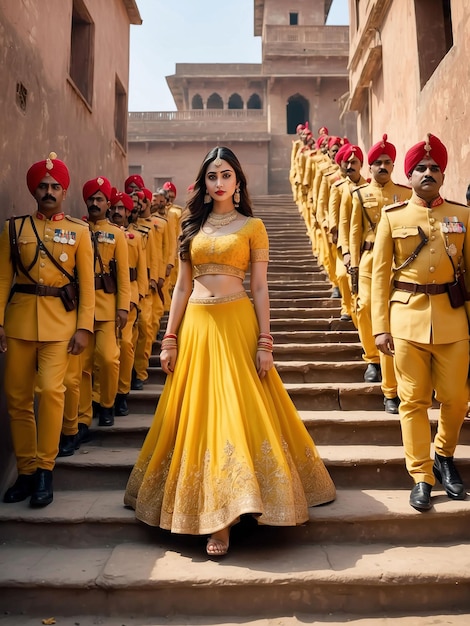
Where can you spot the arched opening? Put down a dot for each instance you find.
(254, 102)
(235, 101)
(215, 102)
(297, 111)
(196, 102)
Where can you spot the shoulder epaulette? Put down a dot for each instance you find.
(396, 205)
(113, 224)
(359, 187)
(457, 203)
(402, 186)
(76, 220)
(339, 182)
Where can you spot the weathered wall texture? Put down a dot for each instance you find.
(396, 102)
(35, 52)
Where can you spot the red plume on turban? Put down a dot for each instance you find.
(334, 141)
(169, 186)
(147, 193)
(135, 178)
(433, 148)
(323, 130)
(100, 183)
(120, 196)
(381, 147)
(53, 167)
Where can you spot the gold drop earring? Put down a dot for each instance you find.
(236, 198)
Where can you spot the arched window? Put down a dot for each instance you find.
(254, 102)
(235, 101)
(215, 102)
(196, 102)
(297, 111)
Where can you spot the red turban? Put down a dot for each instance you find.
(339, 155)
(52, 167)
(382, 147)
(169, 187)
(135, 178)
(100, 183)
(433, 148)
(321, 140)
(334, 141)
(323, 130)
(350, 150)
(120, 196)
(147, 193)
(299, 128)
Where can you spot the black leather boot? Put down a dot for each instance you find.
(84, 435)
(21, 490)
(106, 416)
(68, 444)
(120, 404)
(373, 373)
(420, 496)
(447, 474)
(42, 494)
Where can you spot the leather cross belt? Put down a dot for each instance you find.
(430, 289)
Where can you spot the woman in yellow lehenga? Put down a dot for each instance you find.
(226, 439)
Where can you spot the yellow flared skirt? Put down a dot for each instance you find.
(223, 442)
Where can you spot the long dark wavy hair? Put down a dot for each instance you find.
(196, 211)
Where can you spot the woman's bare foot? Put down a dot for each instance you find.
(217, 544)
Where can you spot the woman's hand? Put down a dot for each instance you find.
(264, 362)
(168, 358)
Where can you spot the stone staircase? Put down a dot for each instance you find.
(367, 555)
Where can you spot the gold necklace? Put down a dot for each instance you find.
(217, 220)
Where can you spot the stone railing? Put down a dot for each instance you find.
(197, 115)
(313, 40)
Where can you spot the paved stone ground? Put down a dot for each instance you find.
(331, 620)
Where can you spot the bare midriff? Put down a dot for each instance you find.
(216, 286)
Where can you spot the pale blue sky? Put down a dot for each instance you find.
(192, 31)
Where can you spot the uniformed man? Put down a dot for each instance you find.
(120, 210)
(352, 159)
(368, 200)
(46, 261)
(144, 336)
(112, 297)
(161, 207)
(424, 321)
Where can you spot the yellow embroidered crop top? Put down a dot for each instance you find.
(230, 254)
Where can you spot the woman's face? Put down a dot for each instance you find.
(221, 181)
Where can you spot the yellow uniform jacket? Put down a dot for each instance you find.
(137, 265)
(44, 318)
(420, 317)
(334, 202)
(345, 209)
(155, 260)
(365, 217)
(112, 246)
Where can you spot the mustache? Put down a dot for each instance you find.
(383, 171)
(48, 196)
(428, 179)
(93, 207)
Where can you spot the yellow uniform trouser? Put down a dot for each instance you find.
(72, 382)
(126, 360)
(157, 312)
(371, 353)
(420, 368)
(102, 350)
(36, 443)
(143, 338)
(167, 296)
(344, 285)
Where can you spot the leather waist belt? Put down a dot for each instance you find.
(368, 245)
(431, 289)
(38, 290)
(132, 274)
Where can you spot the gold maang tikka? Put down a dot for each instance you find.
(218, 160)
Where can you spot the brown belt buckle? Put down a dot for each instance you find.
(41, 290)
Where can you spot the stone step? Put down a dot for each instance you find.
(363, 466)
(325, 427)
(85, 519)
(347, 396)
(323, 308)
(382, 619)
(295, 372)
(259, 579)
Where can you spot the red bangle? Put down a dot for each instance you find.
(170, 336)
